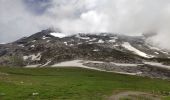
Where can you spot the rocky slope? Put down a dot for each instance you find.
(48, 47)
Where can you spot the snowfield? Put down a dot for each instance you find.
(129, 47)
(157, 64)
(79, 63)
(73, 63)
(130, 69)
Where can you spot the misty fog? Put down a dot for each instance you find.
(20, 18)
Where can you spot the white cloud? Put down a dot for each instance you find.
(129, 17)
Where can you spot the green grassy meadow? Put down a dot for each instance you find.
(73, 84)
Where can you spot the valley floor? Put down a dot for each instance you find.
(77, 84)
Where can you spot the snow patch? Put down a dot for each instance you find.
(48, 41)
(82, 37)
(99, 62)
(126, 64)
(100, 41)
(94, 39)
(33, 57)
(114, 38)
(165, 52)
(80, 43)
(79, 63)
(96, 50)
(112, 41)
(65, 43)
(32, 46)
(33, 41)
(128, 46)
(85, 38)
(157, 53)
(155, 48)
(116, 45)
(21, 45)
(90, 43)
(59, 35)
(44, 37)
(157, 64)
(71, 44)
(48, 62)
(74, 63)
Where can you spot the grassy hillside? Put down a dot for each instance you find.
(72, 84)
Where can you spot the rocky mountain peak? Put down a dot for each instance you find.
(53, 46)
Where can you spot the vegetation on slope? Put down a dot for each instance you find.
(72, 84)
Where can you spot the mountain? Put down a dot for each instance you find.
(112, 51)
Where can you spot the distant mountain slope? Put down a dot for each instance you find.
(52, 47)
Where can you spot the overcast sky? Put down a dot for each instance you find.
(20, 18)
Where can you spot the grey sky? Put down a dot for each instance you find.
(20, 18)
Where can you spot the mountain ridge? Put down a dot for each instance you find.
(102, 51)
(41, 41)
(48, 47)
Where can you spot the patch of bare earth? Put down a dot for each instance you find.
(133, 95)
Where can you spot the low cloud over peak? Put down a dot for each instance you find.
(20, 18)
